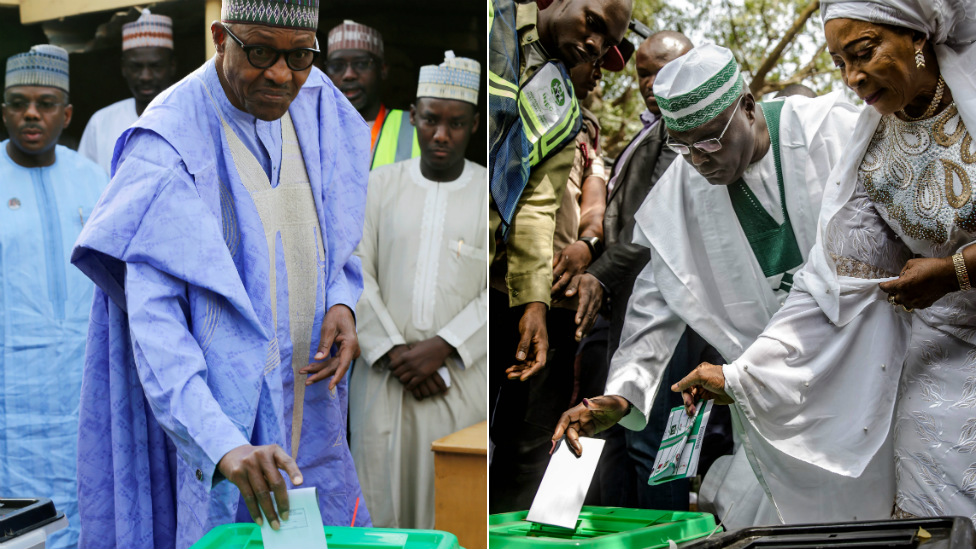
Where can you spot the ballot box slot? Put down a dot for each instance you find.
(923, 533)
(894, 539)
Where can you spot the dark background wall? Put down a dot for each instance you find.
(414, 33)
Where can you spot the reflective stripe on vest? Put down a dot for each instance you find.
(527, 123)
(397, 140)
(549, 111)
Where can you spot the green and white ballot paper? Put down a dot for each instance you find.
(681, 444)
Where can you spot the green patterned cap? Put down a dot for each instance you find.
(289, 14)
(697, 87)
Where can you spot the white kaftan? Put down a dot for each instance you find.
(703, 272)
(424, 254)
(104, 128)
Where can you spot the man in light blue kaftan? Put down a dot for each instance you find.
(48, 192)
(221, 250)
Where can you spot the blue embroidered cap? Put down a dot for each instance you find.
(43, 65)
(456, 78)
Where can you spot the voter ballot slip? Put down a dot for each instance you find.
(681, 445)
(563, 489)
(560, 497)
(303, 529)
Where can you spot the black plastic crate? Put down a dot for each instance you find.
(19, 516)
(946, 532)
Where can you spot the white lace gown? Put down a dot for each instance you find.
(849, 403)
(916, 180)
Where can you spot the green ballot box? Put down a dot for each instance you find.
(248, 536)
(601, 527)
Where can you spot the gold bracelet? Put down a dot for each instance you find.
(962, 275)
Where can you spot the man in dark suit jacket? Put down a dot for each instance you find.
(636, 170)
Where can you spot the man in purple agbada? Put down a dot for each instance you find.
(223, 319)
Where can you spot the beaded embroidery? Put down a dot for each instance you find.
(920, 175)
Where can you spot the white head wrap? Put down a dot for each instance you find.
(949, 24)
(951, 27)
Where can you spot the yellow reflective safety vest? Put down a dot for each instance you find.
(397, 139)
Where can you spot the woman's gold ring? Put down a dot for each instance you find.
(891, 299)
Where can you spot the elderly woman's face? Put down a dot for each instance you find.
(877, 62)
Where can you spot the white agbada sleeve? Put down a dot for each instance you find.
(88, 146)
(375, 327)
(466, 331)
(650, 333)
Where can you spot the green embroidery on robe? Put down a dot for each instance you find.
(774, 245)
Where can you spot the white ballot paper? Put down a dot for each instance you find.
(560, 496)
(303, 529)
(681, 445)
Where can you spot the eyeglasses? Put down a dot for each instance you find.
(336, 67)
(44, 105)
(708, 146)
(263, 57)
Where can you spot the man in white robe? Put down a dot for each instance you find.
(727, 228)
(867, 370)
(422, 317)
(149, 67)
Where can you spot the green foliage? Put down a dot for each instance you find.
(750, 28)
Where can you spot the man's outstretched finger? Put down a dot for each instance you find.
(516, 371)
(573, 438)
(277, 484)
(687, 382)
(344, 360)
(533, 368)
(559, 283)
(250, 501)
(586, 316)
(329, 333)
(562, 424)
(689, 400)
(318, 371)
(573, 286)
(525, 341)
(284, 462)
(255, 477)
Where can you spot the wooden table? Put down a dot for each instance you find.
(461, 485)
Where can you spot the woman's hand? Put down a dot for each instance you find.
(922, 282)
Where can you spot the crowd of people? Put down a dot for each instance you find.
(259, 276)
(183, 298)
(801, 259)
